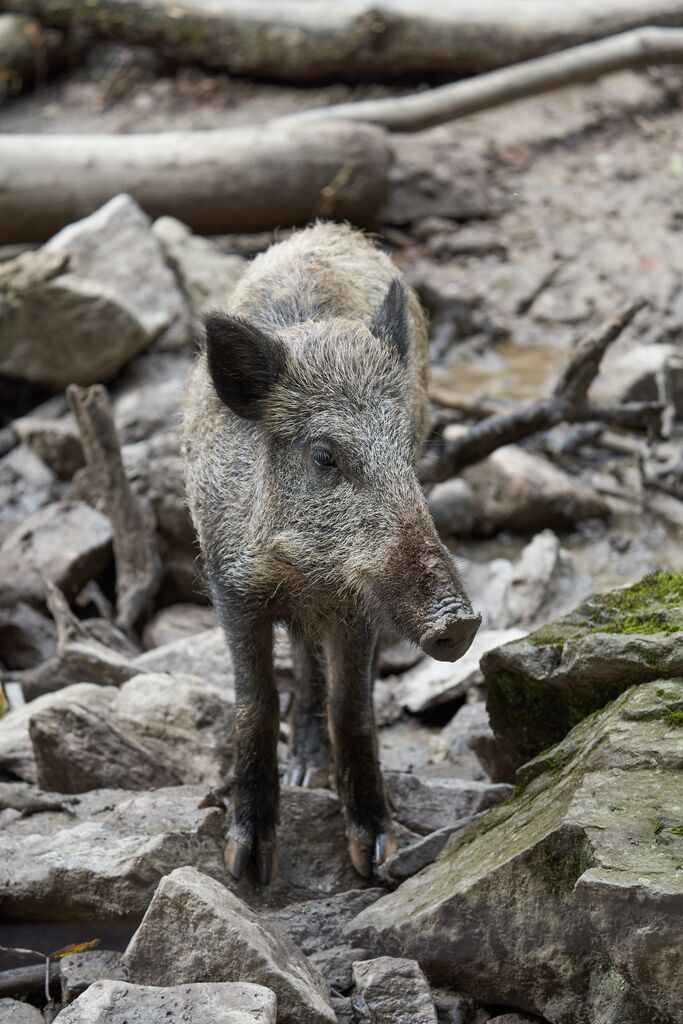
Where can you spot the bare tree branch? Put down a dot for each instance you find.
(567, 404)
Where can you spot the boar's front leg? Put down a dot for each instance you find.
(255, 786)
(350, 651)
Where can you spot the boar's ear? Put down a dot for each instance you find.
(244, 362)
(391, 319)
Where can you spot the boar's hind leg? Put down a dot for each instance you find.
(310, 744)
(351, 657)
(255, 786)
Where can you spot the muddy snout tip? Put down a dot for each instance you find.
(451, 637)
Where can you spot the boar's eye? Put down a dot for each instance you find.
(323, 457)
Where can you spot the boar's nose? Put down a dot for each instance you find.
(451, 637)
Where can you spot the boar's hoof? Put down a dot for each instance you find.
(307, 776)
(240, 850)
(368, 851)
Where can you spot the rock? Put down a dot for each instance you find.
(118, 1002)
(426, 805)
(76, 749)
(577, 878)
(515, 490)
(207, 275)
(178, 622)
(27, 637)
(397, 656)
(101, 857)
(148, 396)
(55, 441)
(631, 373)
(452, 506)
(12, 1011)
(57, 328)
(156, 472)
(196, 930)
(78, 971)
(493, 758)
(68, 542)
(541, 686)
(16, 750)
(432, 682)
(515, 1018)
(407, 862)
(395, 991)
(455, 1008)
(319, 924)
(26, 485)
(541, 585)
(336, 964)
(115, 247)
(157, 730)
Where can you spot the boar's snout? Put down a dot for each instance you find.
(451, 635)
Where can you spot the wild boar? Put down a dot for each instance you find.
(305, 414)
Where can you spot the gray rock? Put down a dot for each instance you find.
(336, 964)
(395, 991)
(515, 490)
(115, 247)
(68, 542)
(148, 396)
(16, 750)
(426, 804)
(55, 441)
(514, 1018)
(207, 275)
(157, 730)
(455, 1008)
(118, 1002)
(12, 1011)
(319, 924)
(26, 485)
(631, 373)
(57, 327)
(100, 858)
(432, 682)
(79, 971)
(407, 862)
(195, 929)
(577, 879)
(453, 507)
(539, 687)
(178, 622)
(155, 470)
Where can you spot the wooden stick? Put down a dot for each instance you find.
(138, 565)
(635, 49)
(567, 404)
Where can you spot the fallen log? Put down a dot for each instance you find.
(216, 182)
(638, 48)
(313, 40)
(27, 52)
(568, 403)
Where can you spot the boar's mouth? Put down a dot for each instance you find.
(419, 594)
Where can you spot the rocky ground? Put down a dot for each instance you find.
(536, 782)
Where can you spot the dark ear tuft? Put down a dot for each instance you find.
(244, 362)
(391, 319)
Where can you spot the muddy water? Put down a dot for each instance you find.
(508, 372)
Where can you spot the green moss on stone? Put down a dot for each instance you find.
(674, 718)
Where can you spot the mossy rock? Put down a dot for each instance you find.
(542, 686)
(566, 900)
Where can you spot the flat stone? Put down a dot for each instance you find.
(26, 485)
(408, 861)
(195, 929)
(55, 441)
(178, 622)
(433, 682)
(78, 971)
(427, 804)
(577, 878)
(118, 1002)
(68, 542)
(395, 991)
(319, 924)
(541, 686)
